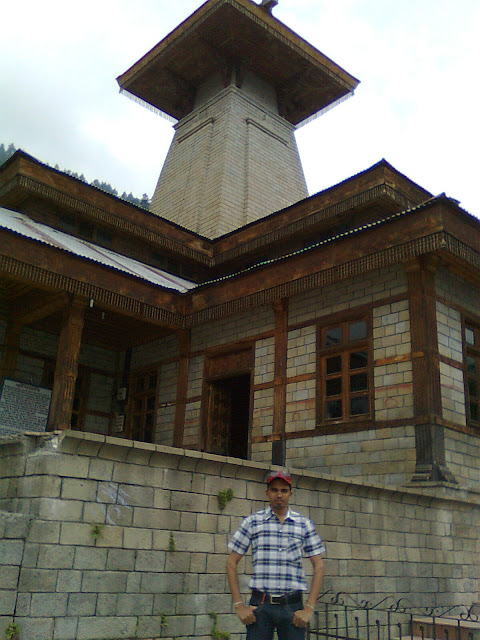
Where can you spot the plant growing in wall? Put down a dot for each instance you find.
(216, 633)
(96, 531)
(163, 623)
(224, 497)
(12, 632)
(172, 543)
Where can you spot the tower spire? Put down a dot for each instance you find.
(239, 83)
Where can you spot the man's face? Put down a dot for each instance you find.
(278, 494)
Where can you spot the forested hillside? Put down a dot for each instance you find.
(144, 201)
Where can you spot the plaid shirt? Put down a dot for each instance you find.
(277, 549)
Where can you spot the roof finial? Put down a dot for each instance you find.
(268, 5)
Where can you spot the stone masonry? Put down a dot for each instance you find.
(102, 538)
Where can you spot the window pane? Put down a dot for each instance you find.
(469, 335)
(334, 365)
(358, 330)
(333, 336)
(151, 403)
(333, 409)
(138, 405)
(140, 386)
(359, 382)
(358, 360)
(472, 388)
(334, 387)
(471, 364)
(152, 381)
(359, 406)
(474, 411)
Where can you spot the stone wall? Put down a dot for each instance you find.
(102, 538)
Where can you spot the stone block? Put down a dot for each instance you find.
(11, 551)
(162, 583)
(57, 509)
(150, 561)
(121, 559)
(130, 495)
(8, 599)
(57, 464)
(135, 474)
(177, 562)
(90, 558)
(65, 628)
(138, 538)
(37, 580)
(156, 518)
(44, 531)
(55, 557)
(135, 604)
(37, 628)
(104, 582)
(107, 604)
(69, 581)
(98, 627)
(81, 604)
(183, 501)
(100, 469)
(94, 513)
(48, 605)
(119, 515)
(78, 489)
(76, 534)
(164, 603)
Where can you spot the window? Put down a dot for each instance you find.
(344, 372)
(143, 396)
(472, 377)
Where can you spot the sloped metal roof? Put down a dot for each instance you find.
(23, 225)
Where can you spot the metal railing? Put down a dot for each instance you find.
(343, 617)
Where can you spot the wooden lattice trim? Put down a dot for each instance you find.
(55, 281)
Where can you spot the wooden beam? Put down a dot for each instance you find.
(429, 430)
(66, 367)
(10, 349)
(280, 374)
(182, 383)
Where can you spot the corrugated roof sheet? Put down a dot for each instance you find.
(28, 228)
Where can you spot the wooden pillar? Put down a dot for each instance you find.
(66, 367)
(279, 381)
(429, 430)
(182, 383)
(10, 349)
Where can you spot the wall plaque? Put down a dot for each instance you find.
(23, 407)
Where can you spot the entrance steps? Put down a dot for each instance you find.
(454, 628)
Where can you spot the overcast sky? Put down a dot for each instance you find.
(417, 105)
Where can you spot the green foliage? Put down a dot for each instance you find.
(6, 153)
(216, 633)
(96, 531)
(163, 622)
(224, 497)
(12, 632)
(172, 543)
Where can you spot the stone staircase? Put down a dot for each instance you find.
(454, 628)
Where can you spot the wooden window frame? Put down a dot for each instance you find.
(472, 378)
(345, 372)
(139, 406)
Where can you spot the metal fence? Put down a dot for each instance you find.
(343, 617)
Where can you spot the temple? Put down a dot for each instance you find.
(153, 361)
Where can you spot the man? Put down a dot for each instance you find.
(279, 537)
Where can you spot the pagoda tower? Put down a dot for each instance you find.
(238, 83)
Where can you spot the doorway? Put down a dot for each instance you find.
(228, 416)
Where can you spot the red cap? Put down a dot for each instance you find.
(279, 475)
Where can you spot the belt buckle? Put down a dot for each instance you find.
(277, 599)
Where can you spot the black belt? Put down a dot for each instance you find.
(286, 598)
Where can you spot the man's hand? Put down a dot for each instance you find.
(246, 614)
(302, 617)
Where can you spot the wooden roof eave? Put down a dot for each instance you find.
(405, 237)
(51, 269)
(23, 177)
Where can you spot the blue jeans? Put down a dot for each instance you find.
(274, 616)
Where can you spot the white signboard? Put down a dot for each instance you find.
(23, 407)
